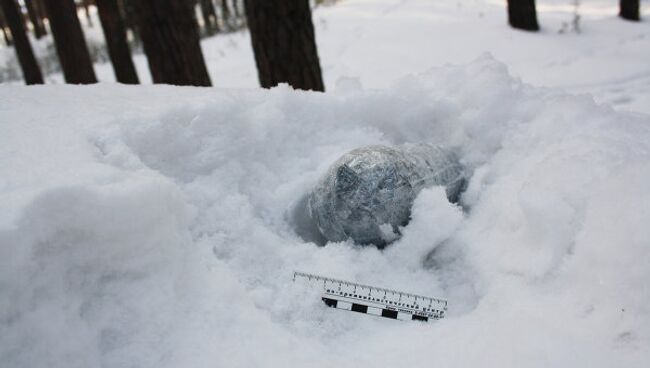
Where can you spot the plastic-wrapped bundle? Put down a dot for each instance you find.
(367, 194)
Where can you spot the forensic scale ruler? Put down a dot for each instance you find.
(375, 300)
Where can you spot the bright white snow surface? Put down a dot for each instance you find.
(150, 226)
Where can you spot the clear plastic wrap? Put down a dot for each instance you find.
(367, 194)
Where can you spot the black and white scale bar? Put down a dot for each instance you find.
(376, 301)
(380, 312)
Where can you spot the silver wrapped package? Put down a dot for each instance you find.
(367, 194)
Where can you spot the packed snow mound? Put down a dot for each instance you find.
(151, 226)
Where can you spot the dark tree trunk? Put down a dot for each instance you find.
(630, 10)
(209, 16)
(3, 26)
(70, 43)
(522, 14)
(129, 17)
(14, 17)
(225, 14)
(283, 40)
(39, 7)
(171, 41)
(116, 42)
(35, 19)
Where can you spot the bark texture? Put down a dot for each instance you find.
(170, 39)
(522, 14)
(630, 10)
(70, 43)
(283, 40)
(35, 19)
(14, 18)
(116, 41)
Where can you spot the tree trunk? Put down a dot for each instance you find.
(209, 16)
(37, 22)
(3, 26)
(225, 14)
(171, 41)
(522, 15)
(235, 8)
(116, 41)
(130, 19)
(31, 71)
(70, 43)
(39, 7)
(630, 9)
(282, 34)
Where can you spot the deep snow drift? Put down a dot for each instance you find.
(149, 226)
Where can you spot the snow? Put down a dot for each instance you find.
(151, 226)
(379, 41)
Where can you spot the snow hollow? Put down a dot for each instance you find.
(152, 226)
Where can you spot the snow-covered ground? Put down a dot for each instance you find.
(151, 226)
(378, 41)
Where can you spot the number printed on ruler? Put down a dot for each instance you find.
(375, 300)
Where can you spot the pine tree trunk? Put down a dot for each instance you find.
(209, 16)
(225, 14)
(39, 7)
(171, 41)
(130, 19)
(522, 14)
(116, 41)
(14, 18)
(235, 8)
(3, 26)
(283, 40)
(630, 10)
(70, 43)
(37, 22)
